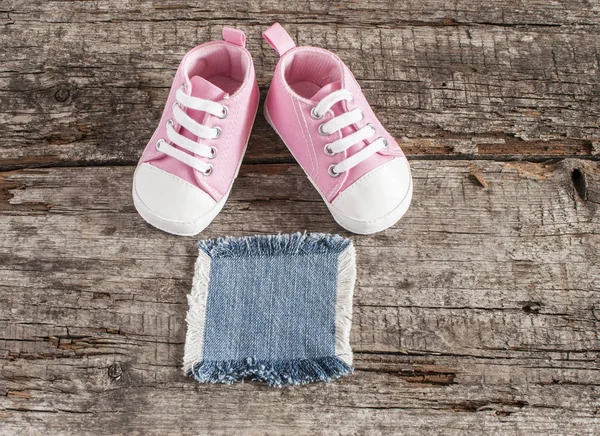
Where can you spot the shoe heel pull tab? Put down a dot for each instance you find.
(279, 39)
(234, 36)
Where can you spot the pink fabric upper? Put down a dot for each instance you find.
(221, 71)
(305, 75)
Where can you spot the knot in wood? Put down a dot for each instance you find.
(115, 371)
(62, 95)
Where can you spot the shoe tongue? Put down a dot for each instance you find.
(202, 88)
(326, 90)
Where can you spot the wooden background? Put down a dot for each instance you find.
(478, 313)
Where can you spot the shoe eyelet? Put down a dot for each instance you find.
(332, 172)
(158, 143)
(176, 103)
(373, 128)
(362, 114)
(218, 132)
(209, 171)
(351, 97)
(385, 143)
(171, 123)
(213, 152)
(183, 87)
(321, 131)
(328, 150)
(314, 115)
(225, 112)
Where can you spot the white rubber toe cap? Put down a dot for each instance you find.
(170, 203)
(377, 200)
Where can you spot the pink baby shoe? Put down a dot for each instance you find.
(319, 111)
(185, 174)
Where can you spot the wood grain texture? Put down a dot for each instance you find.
(85, 82)
(478, 313)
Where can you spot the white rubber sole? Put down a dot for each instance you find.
(190, 228)
(376, 225)
(351, 224)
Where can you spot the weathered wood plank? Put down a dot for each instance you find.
(477, 313)
(512, 79)
(371, 13)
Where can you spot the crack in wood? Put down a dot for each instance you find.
(477, 313)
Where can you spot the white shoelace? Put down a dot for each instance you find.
(338, 123)
(200, 130)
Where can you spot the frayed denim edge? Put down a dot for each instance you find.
(278, 374)
(274, 245)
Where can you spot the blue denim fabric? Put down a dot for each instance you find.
(271, 309)
(275, 308)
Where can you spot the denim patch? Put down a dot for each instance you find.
(271, 308)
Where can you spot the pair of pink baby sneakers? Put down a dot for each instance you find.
(314, 104)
